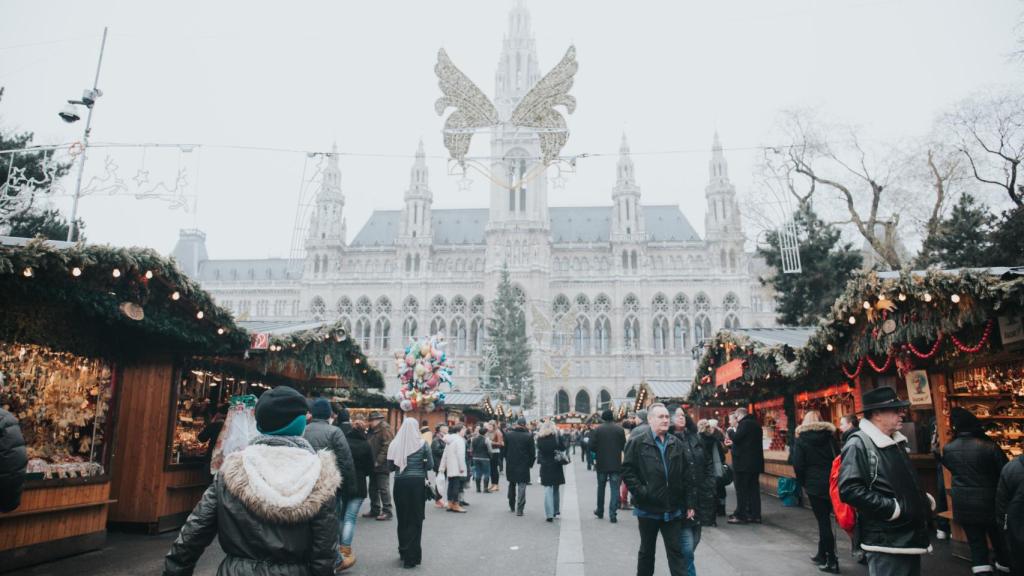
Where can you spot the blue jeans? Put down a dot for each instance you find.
(689, 537)
(347, 514)
(612, 480)
(481, 469)
(551, 501)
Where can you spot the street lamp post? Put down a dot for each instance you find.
(70, 115)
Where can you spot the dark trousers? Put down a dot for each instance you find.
(893, 564)
(612, 479)
(670, 535)
(454, 489)
(822, 508)
(409, 499)
(748, 495)
(516, 496)
(978, 536)
(495, 467)
(380, 493)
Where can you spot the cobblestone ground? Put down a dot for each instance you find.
(490, 539)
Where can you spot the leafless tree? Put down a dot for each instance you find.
(989, 133)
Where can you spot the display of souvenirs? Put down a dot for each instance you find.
(239, 429)
(198, 395)
(62, 402)
(995, 394)
(990, 380)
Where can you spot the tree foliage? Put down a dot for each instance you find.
(827, 264)
(507, 333)
(24, 175)
(961, 240)
(49, 224)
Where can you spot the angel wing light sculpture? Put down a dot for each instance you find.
(474, 111)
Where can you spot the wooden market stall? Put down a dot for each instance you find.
(472, 408)
(85, 328)
(664, 391)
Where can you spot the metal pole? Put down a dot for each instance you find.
(72, 226)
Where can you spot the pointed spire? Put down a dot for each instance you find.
(718, 167)
(419, 175)
(624, 145)
(716, 146)
(625, 166)
(330, 185)
(419, 150)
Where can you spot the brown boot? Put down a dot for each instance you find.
(348, 559)
(454, 507)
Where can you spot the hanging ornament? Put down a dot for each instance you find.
(889, 326)
(328, 360)
(977, 347)
(132, 310)
(876, 367)
(925, 355)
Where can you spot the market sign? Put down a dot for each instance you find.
(1011, 329)
(260, 341)
(728, 372)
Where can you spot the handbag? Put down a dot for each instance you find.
(726, 478)
(561, 457)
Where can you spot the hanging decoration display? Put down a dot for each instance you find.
(424, 373)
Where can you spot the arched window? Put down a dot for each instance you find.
(476, 305)
(701, 329)
(702, 303)
(458, 305)
(632, 259)
(409, 329)
(559, 307)
(631, 333)
(602, 304)
(659, 303)
(383, 332)
(438, 305)
(581, 336)
(408, 262)
(363, 305)
(411, 305)
(625, 260)
(582, 304)
(722, 257)
(630, 304)
(732, 260)
(561, 402)
(583, 402)
(631, 393)
(477, 335)
(732, 322)
(437, 326)
(323, 265)
(680, 303)
(363, 333)
(680, 334)
(317, 308)
(344, 306)
(460, 334)
(383, 306)
(731, 302)
(604, 399)
(602, 335)
(659, 335)
(416, 263)
(316, 265)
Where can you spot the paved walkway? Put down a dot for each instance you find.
(490, 539)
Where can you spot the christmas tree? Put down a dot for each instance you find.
(507, 334)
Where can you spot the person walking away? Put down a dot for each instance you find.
(608, 442)
(877, 478)
(410, 455)
(747, 466)
(655, 470)
(13, 462)
(814, 450)
(437, 451)
(453, 466)
(380, 483)
(354, 494)
(497, 443)
(585, 439)
(211, 432)
(714, 452)
(271, 506)
(942, 527)
(482, 460)
(551, 475)
(1010, 512)
(520, 455)
(848, 424)
(702, 477)
(321, 435)
(975, 462)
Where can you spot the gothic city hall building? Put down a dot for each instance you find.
(615, 294)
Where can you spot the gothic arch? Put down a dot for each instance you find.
(602, 335)
(582, 404)
(437, 326)
(660, 336)
(317, 308)
(383, 306)
(410, 329)
(604, 399)
(411, 305)
(731, 302)
(631, 333)
(630, 304)
(680, 303)
(581, 335)
(382, 334)
(363, 333)
(477, 335)
(363, 306)
(459, 334)
(680, 334)
(659, 304)
(561, 401)
(438, 305)
(732, 322)
(602, 304)
(701, 302)
(701, 329)
(344, 306)
(457, 305)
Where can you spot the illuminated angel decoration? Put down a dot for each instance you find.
(474, 111)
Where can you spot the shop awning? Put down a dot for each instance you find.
(669, 388)
(795, 337)
(463, 399)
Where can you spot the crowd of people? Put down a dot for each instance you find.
(289, 502)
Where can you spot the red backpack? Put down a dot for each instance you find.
(846, 516)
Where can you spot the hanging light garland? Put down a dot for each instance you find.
(876, 367)
(925, 355)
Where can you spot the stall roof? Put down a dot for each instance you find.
(794, 337)
(280, 327)
(993, 271)
(669, 388)
(463, 398)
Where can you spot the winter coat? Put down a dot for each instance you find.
(846, 435)
(380, 438)
(323, 436)
(272, 508)
(975, 464)
(813, 452)
(702, 475)
(747, 449)
(892, 509)
(437, 450)
(453, 459)
(362, 460)
(608, 441)
(13, 460)
(1009, 493)
(551, 473)
(644, 474)
(520, 454)
(480, 447)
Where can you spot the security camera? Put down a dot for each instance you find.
(89, 97)
(70, 114)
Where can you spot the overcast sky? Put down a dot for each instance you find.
(307, 74)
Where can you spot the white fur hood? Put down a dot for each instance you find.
(281, 483)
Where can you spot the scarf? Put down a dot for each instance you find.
(406, 442)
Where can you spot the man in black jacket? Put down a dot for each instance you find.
(747, 465)
(655, 471)
(520, 455)
(355, 494)
(878, 479)
(13, 460)
(1010, 511)
(321, 435)
(607, 442)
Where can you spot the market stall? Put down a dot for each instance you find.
(664, 391)
(85, 328)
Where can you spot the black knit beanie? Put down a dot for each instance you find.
(278, 407)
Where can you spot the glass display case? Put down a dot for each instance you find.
(200, 402)
(995, 394)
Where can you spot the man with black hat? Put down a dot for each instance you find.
(271, 506)
(879, 481)
(607, 441)
(520, 455)
(380, 482)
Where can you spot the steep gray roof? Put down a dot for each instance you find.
(267, 269)
(568, 224)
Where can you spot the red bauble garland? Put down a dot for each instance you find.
(876, 367)
(977, 347)
(853, 376)
(925, 355)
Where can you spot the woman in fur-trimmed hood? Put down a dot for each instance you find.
(271, 505)
(813, 451)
